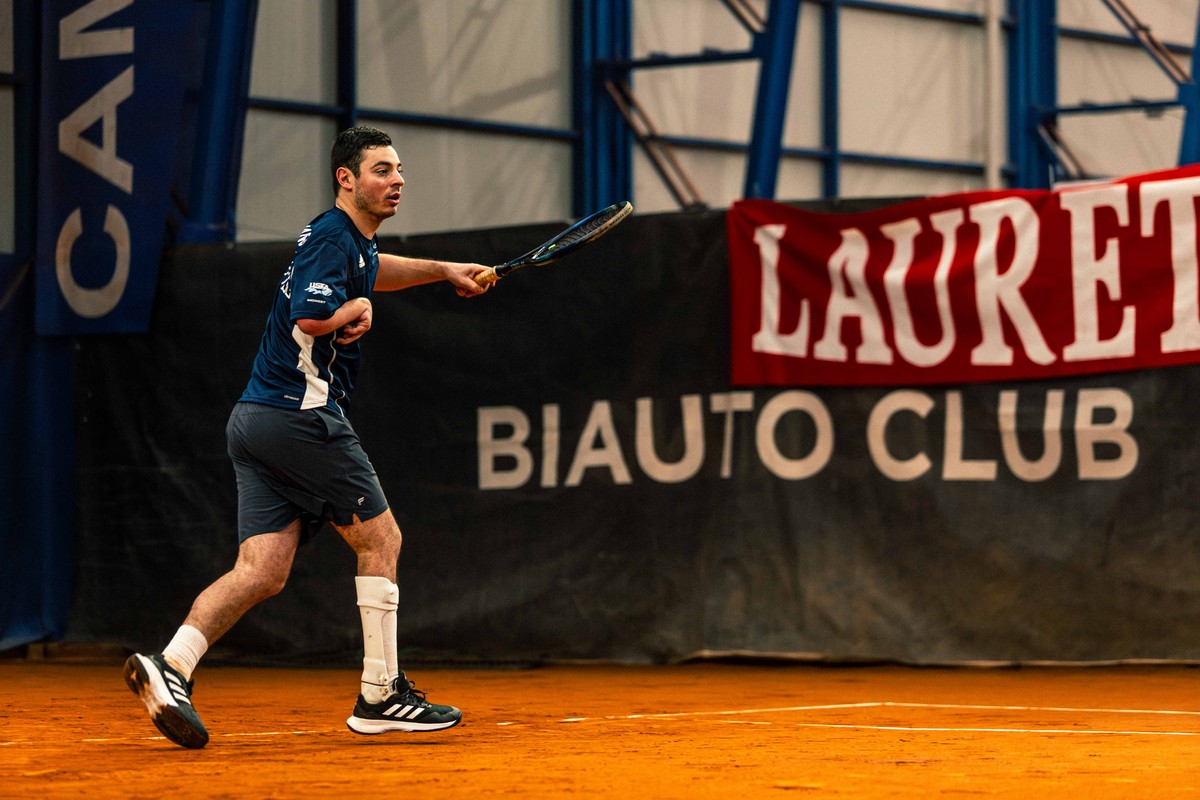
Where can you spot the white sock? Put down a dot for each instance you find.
(186, 649)
(378, 599)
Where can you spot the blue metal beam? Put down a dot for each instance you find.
(603, 164)
(831, 165)
(37, 426)
(348, 116)
(703, 57)
(26, 38)
(1032, 89)
(347, 63)
(212, 195)
(776, 44)
(1084, 35)
(729, 146)
(1189, 97)
(911, 11)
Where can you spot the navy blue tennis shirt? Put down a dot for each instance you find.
(333, 263)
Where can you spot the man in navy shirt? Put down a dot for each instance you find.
(299, 463)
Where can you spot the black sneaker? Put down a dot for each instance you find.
(405, 709)
(168, 698)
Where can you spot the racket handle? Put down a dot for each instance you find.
(487, 276)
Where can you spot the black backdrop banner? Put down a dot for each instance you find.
(577, 478)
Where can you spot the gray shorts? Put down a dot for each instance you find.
(305, 464)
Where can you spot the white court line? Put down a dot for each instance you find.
(1057, 709)
(1061, 709)
(242, 735)
(946, 706)
(723, 712)
(914, 729)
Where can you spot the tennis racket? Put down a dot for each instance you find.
(582, 233)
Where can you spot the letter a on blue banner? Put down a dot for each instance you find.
(112, 83)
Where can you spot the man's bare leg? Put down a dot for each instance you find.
(376, 543)
(163, 681)
(263, 564)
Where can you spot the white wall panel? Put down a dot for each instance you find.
(686, 26)
(295, 51)
(1093, 72)
(798, 179)
(714, 101)
(717, 101)
(285, 179)
(877, 180)
(911, 87)
(719, 177)
(504, 61)
(1113, 145)
(1109, 144)
(1169, 20)
(457, 180)
(803, 125)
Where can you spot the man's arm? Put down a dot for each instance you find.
(401, 272)
(356, 313)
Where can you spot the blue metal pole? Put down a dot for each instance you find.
(777, 44)
(831, 165)
(603, 167)
(347, 63)
(37, 426)
(26, 39)
(583, 98)
(1189, 97)
(213, 191)
(1032, 89)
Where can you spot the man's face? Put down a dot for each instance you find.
(377, 186)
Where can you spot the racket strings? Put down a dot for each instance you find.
(587, 231)
(582, 232)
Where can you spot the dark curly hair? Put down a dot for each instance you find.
(348, 149)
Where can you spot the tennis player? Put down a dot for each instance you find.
(299, 463)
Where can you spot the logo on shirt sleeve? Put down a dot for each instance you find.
(319, 288)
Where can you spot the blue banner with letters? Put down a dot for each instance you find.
(111, 99)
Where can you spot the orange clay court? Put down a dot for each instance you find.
(705, 730)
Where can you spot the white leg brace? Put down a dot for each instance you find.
(377, 602)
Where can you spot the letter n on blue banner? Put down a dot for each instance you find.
(112, 84)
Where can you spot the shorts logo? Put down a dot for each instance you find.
(361, 500)
(319, 288)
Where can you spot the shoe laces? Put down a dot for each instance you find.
(408, 690)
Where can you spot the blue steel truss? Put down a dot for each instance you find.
(1032, 90)
(603, 66)
(601, 133)
(217, 160)
(1039, 155)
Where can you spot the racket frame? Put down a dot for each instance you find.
(593, 227)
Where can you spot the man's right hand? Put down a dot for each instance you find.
(354, 329)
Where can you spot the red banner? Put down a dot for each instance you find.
(984, 286)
